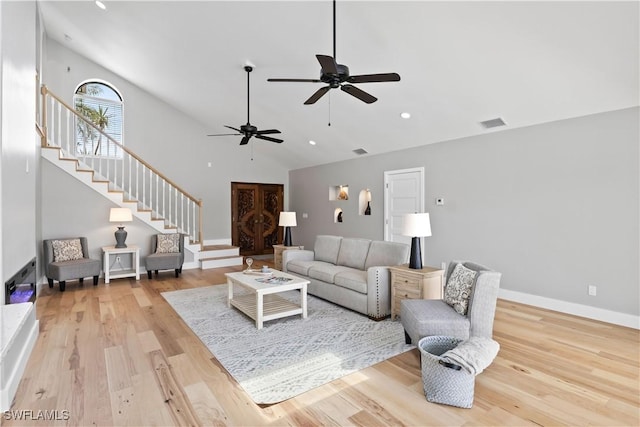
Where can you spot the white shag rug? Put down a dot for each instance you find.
(287, 356)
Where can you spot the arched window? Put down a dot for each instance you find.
(100, 104)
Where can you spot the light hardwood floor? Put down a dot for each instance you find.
(118, 354)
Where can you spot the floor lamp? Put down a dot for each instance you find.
(416, 225)
(287, 220)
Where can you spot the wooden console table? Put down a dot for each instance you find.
(277, 254)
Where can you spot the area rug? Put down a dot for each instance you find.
(287, 356)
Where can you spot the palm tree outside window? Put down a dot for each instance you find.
(100, 104)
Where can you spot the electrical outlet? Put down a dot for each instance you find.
(118, 258)
(592, 290)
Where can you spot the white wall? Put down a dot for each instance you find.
(553, 207)
(18, 141)
(170, 141)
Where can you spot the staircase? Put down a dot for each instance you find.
(128, 181)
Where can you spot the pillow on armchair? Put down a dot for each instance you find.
(168, 244)
(458, 289)
(66, 250)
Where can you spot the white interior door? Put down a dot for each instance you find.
(403, 194)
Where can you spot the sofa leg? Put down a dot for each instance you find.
(180, 269)
(95, 280)
(81, 280)
(149, 274)
(407, 338)
(63, 285)
(177, 272)
(50, 282)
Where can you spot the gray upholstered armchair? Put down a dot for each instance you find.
(167, 253)
(422, 318)
(68, 259)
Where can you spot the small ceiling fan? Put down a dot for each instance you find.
(248, 130)
(337, 76)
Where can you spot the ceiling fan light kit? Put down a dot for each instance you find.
(337, 76)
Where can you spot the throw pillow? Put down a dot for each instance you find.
(458, 289)
(168, 244)
(66, 250)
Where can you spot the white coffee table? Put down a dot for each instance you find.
(261, 303)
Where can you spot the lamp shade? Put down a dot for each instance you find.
(120, 215)
(287, 219)
(417, 225)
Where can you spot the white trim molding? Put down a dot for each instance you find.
(595, 313)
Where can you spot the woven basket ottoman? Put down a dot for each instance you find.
(442, 382)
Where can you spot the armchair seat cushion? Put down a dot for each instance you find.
(163, 261)
(74, 269)
(422, 318)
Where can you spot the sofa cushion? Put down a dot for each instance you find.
(458, 288)
(299, 266)
(353, 279)
(353, 252)
(326, 248)
(325, 271)
(66, 250)
(386, 253)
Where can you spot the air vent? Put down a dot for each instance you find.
(360, 151)
(493, 123)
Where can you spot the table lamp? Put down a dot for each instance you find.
(416, 225)
(120, 215)
(287, 220)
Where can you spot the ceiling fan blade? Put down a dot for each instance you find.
(245, 140)
(359, 93)
(317, 95)
(267, 131)
(237, 130)
(268, 138)
(328, 64)
(225, 134)
(374, 78)
(296, 80)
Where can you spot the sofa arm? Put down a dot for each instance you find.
(378, 292)
(302, 254)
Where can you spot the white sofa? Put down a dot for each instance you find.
(350, 272)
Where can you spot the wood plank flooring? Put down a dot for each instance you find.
(118, 354)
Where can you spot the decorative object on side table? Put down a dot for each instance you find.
(120, 215)
(367, 211)
(340, 216)
(287, 220)
(416, 225)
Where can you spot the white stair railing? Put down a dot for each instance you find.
(123, 169)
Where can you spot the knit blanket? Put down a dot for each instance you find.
(474, 354)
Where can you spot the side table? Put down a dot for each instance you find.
(425, 283)
(277, 254)
(112, 251)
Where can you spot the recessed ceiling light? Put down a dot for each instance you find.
(101, 5)
(405, 115)
(312, 142)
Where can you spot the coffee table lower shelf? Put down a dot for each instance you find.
(274, 307)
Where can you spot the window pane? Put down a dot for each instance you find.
(102, 106)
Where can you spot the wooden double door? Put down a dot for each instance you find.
(255, 211)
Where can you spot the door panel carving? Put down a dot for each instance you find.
(255, 209)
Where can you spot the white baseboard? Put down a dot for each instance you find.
(617, 318)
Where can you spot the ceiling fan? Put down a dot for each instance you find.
(337, 75)
(248, 130)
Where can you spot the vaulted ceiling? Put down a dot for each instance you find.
(460, 63)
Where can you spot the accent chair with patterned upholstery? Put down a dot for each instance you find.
(167, 253)
(467, 310)
(68, 259)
